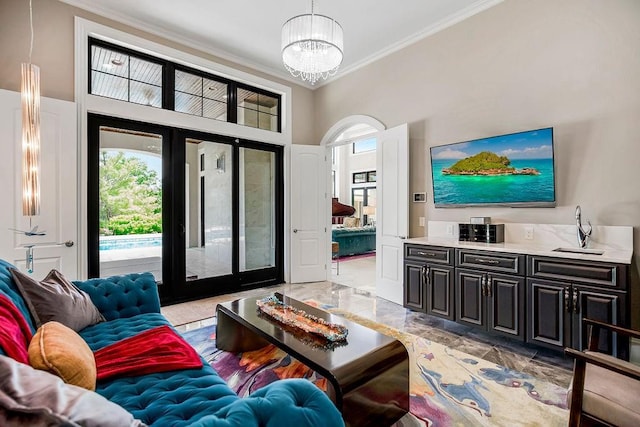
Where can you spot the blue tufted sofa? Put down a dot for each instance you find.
(354, 241)
(194, 397)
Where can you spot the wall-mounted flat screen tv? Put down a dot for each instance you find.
(514, 170)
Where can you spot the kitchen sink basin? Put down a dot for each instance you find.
(580, 251)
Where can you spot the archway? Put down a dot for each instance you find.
(351, 146)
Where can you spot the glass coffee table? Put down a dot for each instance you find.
(368, 374)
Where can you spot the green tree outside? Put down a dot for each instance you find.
(130, 196)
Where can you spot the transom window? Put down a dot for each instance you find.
(257, 110)
(364, 145)
(125, 77)
(131, 76)
(363, 177)
(200, 96)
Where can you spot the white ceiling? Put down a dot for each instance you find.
(248, 31)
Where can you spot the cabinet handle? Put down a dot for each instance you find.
(430, 254)
(488, 281)
(425, 275)
(567, 301)
(576, 307)
(483, 284)
(487, 261)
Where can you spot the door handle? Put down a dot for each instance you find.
(69, 243)
(489, 285)
(295, 230)
(576, 306)
(483, 285)
(567, 302)
(402, 237)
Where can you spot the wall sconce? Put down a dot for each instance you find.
(30, 89)
(220, 163)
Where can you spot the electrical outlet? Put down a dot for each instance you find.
(450, 229)
(528, 233)
(421, 221)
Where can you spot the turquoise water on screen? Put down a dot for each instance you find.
(456, 189)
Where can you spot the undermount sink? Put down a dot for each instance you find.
(580, 251)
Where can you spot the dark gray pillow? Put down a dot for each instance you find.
(56, 298)
(30, 397)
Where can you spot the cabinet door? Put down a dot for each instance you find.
(505, 304)
(413, 296)
(470, 309)
(548, 316)
(440, 291)
(596, 304)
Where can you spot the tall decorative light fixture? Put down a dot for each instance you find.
(30, 90)
(312, 46)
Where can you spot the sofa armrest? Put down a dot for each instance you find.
(123, 296)
(289, 402)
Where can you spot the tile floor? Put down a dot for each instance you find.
(360, 299)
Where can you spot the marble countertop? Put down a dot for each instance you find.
(619, 256)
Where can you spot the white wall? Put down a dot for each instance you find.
(570, 64)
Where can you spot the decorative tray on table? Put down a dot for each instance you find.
(300, 319)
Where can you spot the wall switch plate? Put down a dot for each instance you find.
(450, 229)
(528, 232)
(421, 221)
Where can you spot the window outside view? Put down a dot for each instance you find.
(130, 204)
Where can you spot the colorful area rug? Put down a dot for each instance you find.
(447, 387)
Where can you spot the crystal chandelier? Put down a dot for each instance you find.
(30, 90)
(312, 46)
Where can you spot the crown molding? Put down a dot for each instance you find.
(420, 35)
(157, 30)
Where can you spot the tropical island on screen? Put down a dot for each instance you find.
(513, 169)
(488, 164)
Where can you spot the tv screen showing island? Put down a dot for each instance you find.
(508, 170)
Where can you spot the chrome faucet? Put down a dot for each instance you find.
(583, 236)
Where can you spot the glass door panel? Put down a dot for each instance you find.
(208, 213)
(130, 202)
(257, 209)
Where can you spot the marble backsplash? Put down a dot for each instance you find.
(603, 237)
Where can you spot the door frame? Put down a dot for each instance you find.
(330, 141)
(175, 288)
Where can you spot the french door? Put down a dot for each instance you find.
(202, 212)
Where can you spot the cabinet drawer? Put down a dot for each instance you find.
(494, 261)
(431, 254)
(588, 272)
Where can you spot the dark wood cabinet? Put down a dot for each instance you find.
(414, 288)
(580, 289)
(494, 302)
(542, 300)
(428, 280)
(440, 291)
(557, 309)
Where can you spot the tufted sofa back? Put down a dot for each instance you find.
(123, 296)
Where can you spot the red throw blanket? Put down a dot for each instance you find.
(159, 349)
(15, 333)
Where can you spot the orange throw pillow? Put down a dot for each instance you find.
(59, 350)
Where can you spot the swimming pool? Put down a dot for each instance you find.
(131, 241)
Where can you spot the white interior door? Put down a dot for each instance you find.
(58, 186)
(309, 214)
(392, 222)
